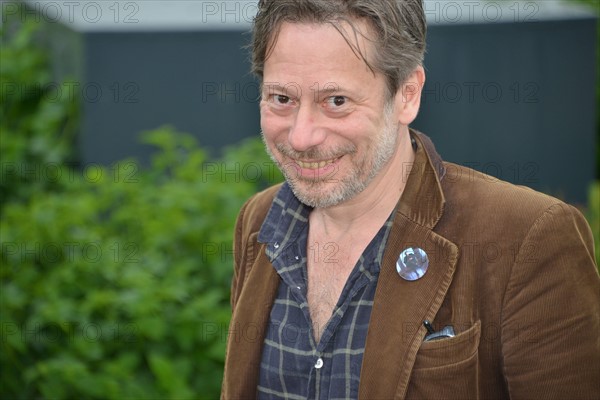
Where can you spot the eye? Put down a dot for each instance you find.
(281, 99)
(336, 101)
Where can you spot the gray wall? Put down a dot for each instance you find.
(197, 82)
(517, 101)
(510, 91)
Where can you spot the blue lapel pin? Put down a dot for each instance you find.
(412, 264)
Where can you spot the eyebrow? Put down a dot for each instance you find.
(330, 88)
(327, 89)
(276, 86)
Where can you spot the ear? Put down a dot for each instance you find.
(408, 96)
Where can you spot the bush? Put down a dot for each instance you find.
(592, 214)
(118, 285)
(114, 281)
(37, 128)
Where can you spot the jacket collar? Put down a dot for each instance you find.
(285, 222)
(423, 199)
(396, 329)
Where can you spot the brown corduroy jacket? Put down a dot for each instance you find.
(512, 270)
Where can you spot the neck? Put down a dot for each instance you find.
(372, 206)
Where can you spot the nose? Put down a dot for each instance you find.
(306, 132)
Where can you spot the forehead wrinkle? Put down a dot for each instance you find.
(313, 59)
(361, 54)
(337, 24)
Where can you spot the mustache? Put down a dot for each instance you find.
(315, 153)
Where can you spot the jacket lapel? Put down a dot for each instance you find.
(396, 329)
(247, 329)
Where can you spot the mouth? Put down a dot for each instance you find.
(315, 164)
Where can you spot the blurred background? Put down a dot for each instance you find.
(130, 139)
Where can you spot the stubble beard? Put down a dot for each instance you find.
(328, 190)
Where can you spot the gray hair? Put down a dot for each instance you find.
(399, 27)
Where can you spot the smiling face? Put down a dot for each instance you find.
(326, 118)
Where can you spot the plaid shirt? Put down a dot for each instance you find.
(293, 365)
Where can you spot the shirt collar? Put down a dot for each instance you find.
(285, 221)
(288, 216)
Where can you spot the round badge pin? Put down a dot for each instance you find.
(412, 264)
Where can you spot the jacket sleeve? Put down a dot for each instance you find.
(551, 309)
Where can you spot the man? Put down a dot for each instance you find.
(344, 273)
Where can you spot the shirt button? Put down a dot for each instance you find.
(319, 363)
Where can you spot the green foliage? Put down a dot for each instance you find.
(593, 3)
(36, 126)
(117, 286)
(593, 216)
(114, 280)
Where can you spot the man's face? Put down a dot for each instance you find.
(324, 115)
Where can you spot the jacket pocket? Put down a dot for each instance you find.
(447, 368)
